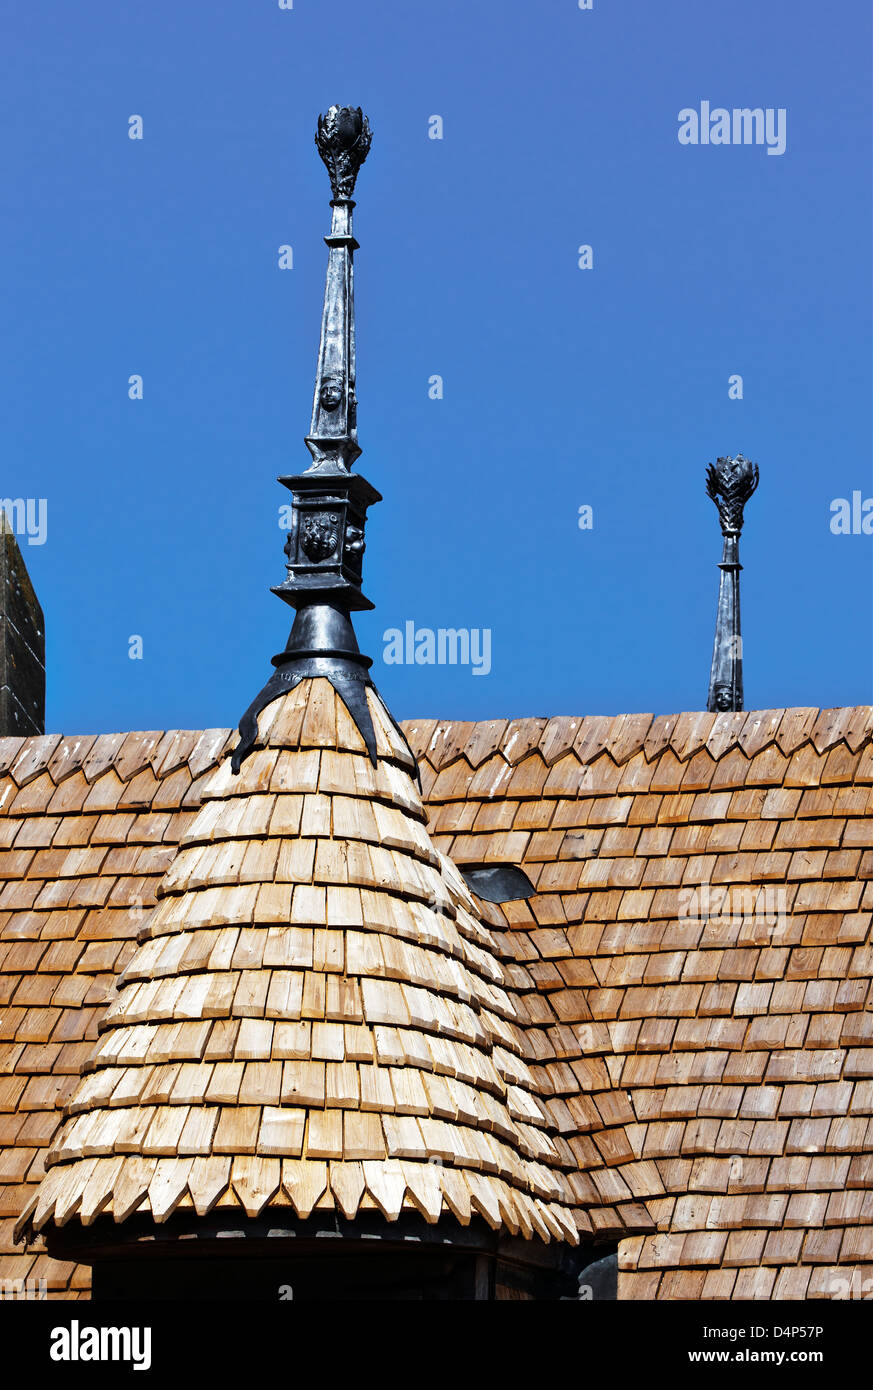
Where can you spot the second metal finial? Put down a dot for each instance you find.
(730, 483)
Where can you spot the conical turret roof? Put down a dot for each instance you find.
(316, 1016)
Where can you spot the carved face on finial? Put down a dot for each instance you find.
(331, 392)
(723, 699)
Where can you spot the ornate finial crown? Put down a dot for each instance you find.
(730, 483)
(343, 139)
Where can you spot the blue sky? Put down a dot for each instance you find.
(562, 387)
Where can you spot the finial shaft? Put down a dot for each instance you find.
(333, 432)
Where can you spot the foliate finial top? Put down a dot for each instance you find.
(730, 483)
(343, 139)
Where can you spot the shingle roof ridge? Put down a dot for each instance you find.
(24, 759)
(791, 727)
(685, 733)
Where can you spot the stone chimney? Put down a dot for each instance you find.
(22, 643)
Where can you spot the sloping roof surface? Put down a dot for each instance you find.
(709, 1057)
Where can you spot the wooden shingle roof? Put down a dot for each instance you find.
(692, 976)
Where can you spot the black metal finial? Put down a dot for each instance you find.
(325, 543)
(730, 483)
